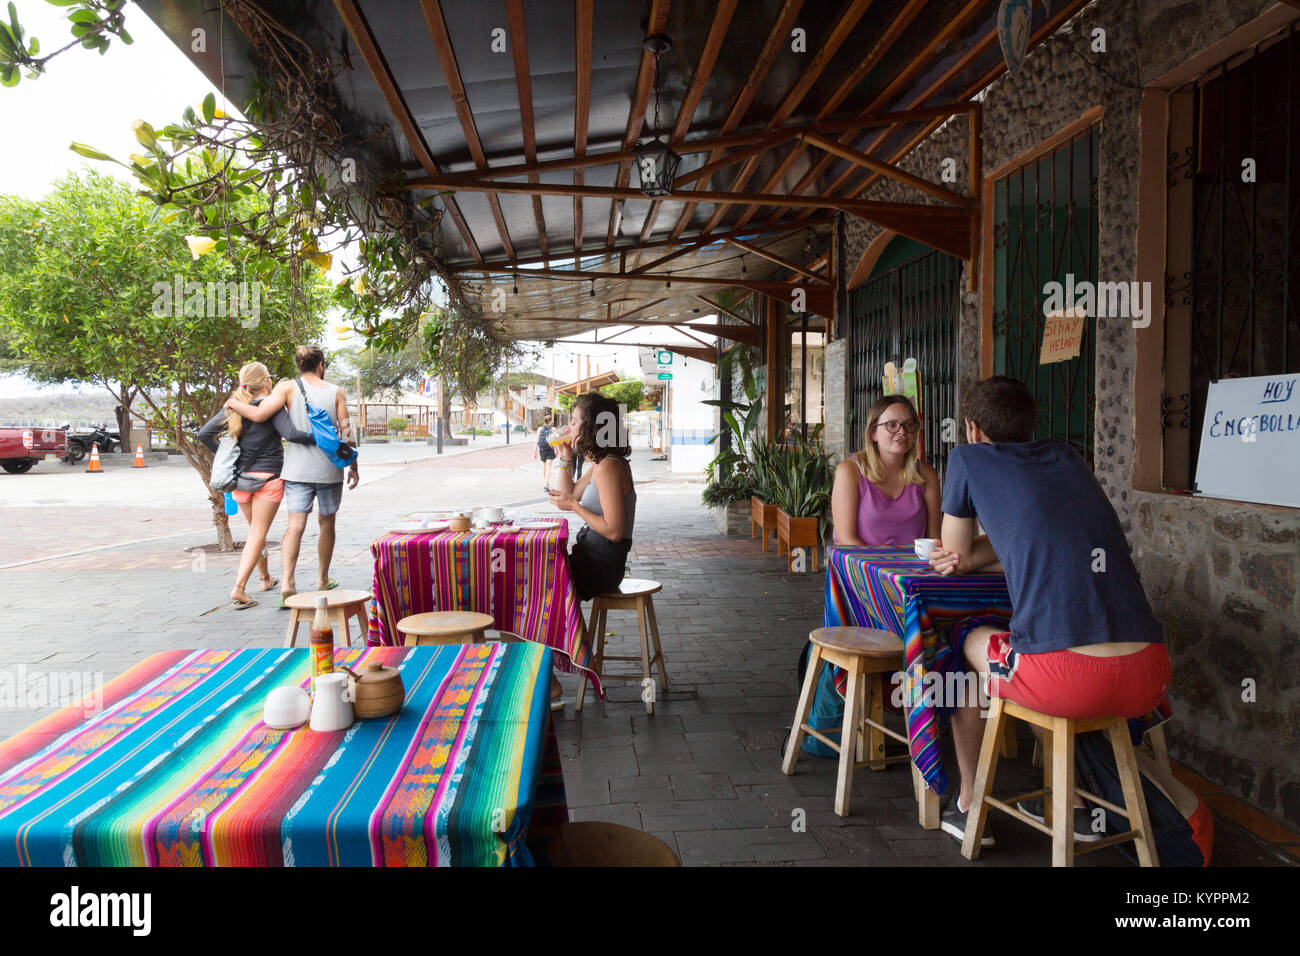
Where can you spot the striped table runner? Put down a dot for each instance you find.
(892, 589)
(520, 578)
(178, 769)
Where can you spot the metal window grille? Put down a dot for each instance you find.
(910, 311)
(1045, 229)
(1232, 284)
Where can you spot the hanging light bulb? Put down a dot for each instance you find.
(743, 270)
(593, 288)
(516, 283)
(807, 242)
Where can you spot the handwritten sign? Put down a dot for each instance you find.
(1250, 442)
(1062, 335)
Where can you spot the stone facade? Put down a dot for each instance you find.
(1221, 575)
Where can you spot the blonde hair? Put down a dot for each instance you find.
(253, 379)
(868, 460)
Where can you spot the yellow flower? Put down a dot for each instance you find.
(359, 285)
(322, 261)
(141, 160)
(144, 133)
(200, 245)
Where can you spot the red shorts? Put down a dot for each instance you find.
(273, 490)
(1077, 686)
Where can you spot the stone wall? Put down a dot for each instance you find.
(1221, 575)
(835, 436)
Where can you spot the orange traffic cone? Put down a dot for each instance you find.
(139, 457)
(93, 464)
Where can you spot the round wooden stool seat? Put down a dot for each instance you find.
(445, 627)
(306, 600)
(633, 587)
(862, 641)
(340, 605)
(594, 843)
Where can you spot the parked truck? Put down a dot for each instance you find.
(21, 448)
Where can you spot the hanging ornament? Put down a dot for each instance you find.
(1013, 31)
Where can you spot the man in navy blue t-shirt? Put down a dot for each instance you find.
(1083, 640)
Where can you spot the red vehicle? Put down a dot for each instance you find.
(21, 448)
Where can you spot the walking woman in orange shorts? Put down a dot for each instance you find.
(261, 456)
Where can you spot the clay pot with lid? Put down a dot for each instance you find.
(377, 691)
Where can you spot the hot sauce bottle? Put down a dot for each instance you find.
(322, 641)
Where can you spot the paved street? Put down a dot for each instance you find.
(101, 571)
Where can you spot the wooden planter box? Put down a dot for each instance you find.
(731, 518)
(796, 533)
(762, 519)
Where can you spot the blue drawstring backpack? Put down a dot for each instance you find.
(327, 436)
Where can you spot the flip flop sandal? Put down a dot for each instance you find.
(283, 598)
(242, 605)
(269, 584)
(331, 586)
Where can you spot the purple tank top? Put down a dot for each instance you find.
(886, 520)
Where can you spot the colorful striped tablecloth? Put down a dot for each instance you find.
(520, 578)
(892, 589)
(178, 769)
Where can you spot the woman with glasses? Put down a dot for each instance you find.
(884, 494)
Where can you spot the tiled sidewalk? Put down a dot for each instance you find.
(703, 773)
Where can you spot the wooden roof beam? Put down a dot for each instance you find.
(524, 89)
(456, 88)
(848, 19)
(772, 257)
(583, 17)
(657, 23)
(890, 170)
(919, 63)
(723, 11)
(873, 56)
(775, 42)
(975, 53)
(655, 244)
(359, 30)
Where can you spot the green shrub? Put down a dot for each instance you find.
(397, 424)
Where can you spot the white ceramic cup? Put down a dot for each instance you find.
(923, 547)
(286, 707)
(491, 514)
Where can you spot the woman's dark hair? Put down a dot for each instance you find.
(602, 433)
(548, 420)
(1003, 408)
(308, 357)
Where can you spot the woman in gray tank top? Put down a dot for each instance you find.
(604, 497)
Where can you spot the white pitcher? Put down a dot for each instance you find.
(332, 708)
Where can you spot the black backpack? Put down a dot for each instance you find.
(1095, 771)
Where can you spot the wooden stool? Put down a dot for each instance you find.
(632, 595)
(1058, 785)
(596, 843)
(868, 655)
(341, 605)
(444, 627)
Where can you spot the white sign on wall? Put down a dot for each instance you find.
(1250, 442)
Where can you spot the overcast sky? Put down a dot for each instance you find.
(93, 99)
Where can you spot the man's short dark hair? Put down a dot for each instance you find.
(1003, 408)
(308, 357)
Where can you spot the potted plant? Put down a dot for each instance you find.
(801, 495)
(728, 499)
(766, 461)
(751, 456)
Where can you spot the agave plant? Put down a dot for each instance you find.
(802, 481)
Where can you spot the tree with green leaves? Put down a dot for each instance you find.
(96, 285)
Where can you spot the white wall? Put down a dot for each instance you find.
(691, 422)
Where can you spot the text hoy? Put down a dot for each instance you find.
(1105, 300)
(75, 908)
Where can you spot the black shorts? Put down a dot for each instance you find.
(545, 452)
(597, 564)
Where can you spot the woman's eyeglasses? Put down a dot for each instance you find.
(909, 426)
